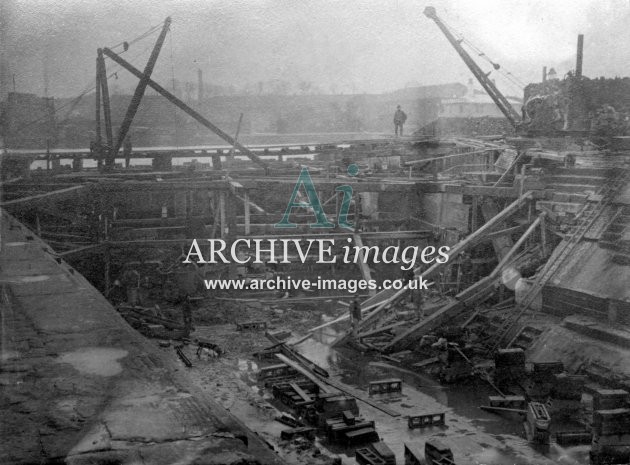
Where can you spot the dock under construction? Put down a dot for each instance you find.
(116, 349)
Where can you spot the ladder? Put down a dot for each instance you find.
(585, 219)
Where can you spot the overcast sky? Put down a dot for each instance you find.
(347, 45)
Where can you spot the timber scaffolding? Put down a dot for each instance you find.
(598, 210)
(206, 203)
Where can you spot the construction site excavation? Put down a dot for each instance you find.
(349, 236)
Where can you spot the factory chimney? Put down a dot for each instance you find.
(578, 60)
(199, 86)
(544, 76)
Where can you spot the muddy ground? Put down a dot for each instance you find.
(231, 378)
(475, 436)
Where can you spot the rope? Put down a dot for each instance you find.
(73, 103)
(127, 44)
(508, 75)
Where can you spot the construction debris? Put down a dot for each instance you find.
(312, 277)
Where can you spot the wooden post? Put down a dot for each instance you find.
(97, 119)
(107, 251)
(508, 256)
(475, 210)
(106, 282)
(107, 114)
(441, 209)
(247, 213)
(229, 160)
(177, 102)
(125, 125)
(543, 235)
(387, 297)
(47, 155)
(38, 226)
(222, 221)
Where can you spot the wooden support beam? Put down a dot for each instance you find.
(474, 213)
(180, 104)
(140, 89)
(501, 244)
(501, 409)
(508, 256)
(543, 235)
(230, 158)
(505, 232)
(89, 249)
(151, 186)
(384, 298)
(259, 209)
(359, 396)
(381, 329)
(453, 155)
(47, 195)
(448, 312)
(324, 384)
(97, 119)
(222, 215)
(107, 114)
(246, 207)
(310, 375)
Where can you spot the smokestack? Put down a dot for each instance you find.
(580, 51)
(544, 74)
(199, 85)
(46, 72)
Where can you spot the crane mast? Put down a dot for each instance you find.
(499, 99)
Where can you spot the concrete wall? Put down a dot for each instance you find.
(445, 210)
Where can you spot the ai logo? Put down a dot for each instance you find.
(313, 202)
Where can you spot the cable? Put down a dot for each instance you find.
(506, 74)
(136, 39)
(89, 88)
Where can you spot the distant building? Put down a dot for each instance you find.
(474, 104)
(28, 121)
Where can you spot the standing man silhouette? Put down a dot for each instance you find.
(399, 120)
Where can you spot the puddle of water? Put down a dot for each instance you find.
(100, 361)
(422, 393)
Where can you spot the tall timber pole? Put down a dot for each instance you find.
(140, 88)
(188, 110)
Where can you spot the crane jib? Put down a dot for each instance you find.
(495, 94)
